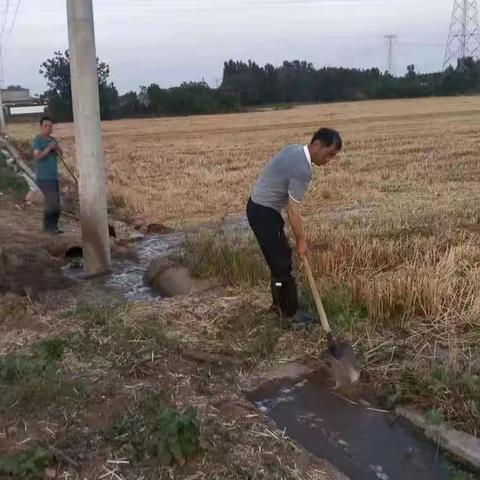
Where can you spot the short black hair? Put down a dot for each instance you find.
(328, 137)
(46, 118)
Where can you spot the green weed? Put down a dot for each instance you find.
(434, 417)
(392, 397)
(50, 349)
(456, 472)
(9, 182)
(27, 465)
(166, 434)
(344, 314)
(89, 314)
(35, 379)
(178, 434)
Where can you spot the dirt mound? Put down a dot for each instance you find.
(29, 271)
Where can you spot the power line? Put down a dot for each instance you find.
(420, 44)
(5, 17)
(15, 17)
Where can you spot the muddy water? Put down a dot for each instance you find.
(126, 277)
(362, 443)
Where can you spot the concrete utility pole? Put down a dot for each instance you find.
(3, 127)
(88, 137)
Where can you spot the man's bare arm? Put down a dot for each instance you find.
(40, 154)
(59, 149)
(295, 221)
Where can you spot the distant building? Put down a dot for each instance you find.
(18, 105)
(16, 96)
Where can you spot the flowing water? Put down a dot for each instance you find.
(363, 443)
(126, 277)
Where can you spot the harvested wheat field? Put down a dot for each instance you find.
(409, 153)
(393, 224)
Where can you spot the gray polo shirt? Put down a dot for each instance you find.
(286, 175)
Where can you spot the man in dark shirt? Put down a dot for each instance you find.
(45, 153)
(282, 186)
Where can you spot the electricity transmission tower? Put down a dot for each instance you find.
(464, 34)
(390, 40)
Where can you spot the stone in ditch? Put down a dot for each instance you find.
(170, 280)
(157, 266)
(173, 281)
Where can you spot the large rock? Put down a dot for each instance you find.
(171, 280)
(157, 266)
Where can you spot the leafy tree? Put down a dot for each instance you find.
(56, 70)
(129, 105)
(246, 84)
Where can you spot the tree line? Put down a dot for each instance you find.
(247, 84)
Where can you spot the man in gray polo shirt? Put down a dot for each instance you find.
(282, 186)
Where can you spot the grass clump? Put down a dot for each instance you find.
(157, 432)
(26, 465)
(26, 380)
(50, 349)
(35, 379)
(235, 259)
(89, 314)
(456, 472)
(434, 417)
(341, 310)
(9, 182)
(16, 369)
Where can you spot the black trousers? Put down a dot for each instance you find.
(51, 208)
(268, 226)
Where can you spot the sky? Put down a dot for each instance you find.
(171, 41)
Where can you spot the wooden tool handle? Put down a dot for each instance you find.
(68, 169)
(316, 296)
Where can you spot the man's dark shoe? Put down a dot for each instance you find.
(300, 320)
(56, 231)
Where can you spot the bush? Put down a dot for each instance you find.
(9, 182)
